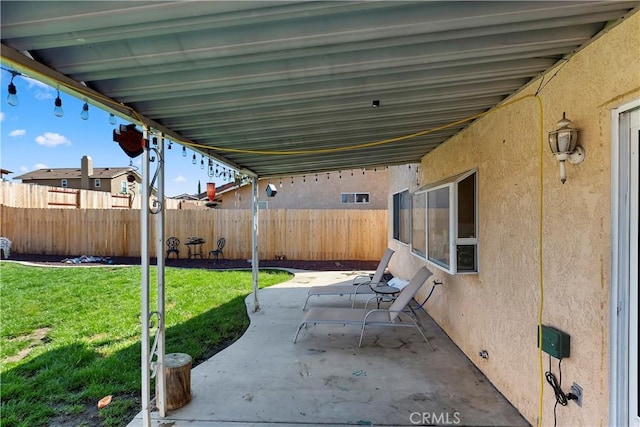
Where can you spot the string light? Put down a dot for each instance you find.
(12, 98)
(112, 119)
(193, 160)
(202, 163)
(84, 114)
(292, 181)
(184, 151)
(169, 146)
(57, 110)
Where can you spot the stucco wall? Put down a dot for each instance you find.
(497, 309)
(309, 193)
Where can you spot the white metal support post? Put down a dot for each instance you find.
(144, 262)
(160, 237)
(153, 152)
(254, 241)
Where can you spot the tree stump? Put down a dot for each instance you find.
(177, 374)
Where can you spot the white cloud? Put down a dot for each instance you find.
(18, 132)
(42, 90)
(40, 166)
(24, 169)
(180, 179)
(37, 83)
(52, 139)
(1, 116)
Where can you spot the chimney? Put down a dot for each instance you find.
(87, 170)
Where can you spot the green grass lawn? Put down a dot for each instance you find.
(70, 336)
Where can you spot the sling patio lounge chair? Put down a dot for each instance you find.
(371, 317)
(360, 285)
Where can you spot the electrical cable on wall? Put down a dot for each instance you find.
(556, 384)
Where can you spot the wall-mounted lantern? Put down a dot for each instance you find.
(563, 143)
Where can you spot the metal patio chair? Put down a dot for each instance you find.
(217, 252)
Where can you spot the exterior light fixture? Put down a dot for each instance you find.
(375, 103)
(84, 114)
(12, 98)
(563, 143)
(57, 110)
(112, 119)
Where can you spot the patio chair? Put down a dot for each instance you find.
(360, 285)
(172, 246)
(216, 253)
(372, 317)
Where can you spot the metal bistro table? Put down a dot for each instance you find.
(194, 247)
(385, 293)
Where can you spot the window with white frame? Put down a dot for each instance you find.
(401, 217)
(263, 204)
(96, 183)
(348, 198)
(123, 187)
(64, 183)
(447, 217)
(418, 224)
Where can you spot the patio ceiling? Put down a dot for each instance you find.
(265, 77)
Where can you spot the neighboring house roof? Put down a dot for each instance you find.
(5, 172)
(185, 196)
(230, 186)
(73, 173)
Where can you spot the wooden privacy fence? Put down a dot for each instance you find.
(295, 233)
(42, 196)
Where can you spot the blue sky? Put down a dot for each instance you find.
(33, 138)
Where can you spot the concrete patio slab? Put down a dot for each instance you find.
(394, 379)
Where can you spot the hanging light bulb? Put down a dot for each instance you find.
(84, 114)
(184, 151)
(193, 160)
(169, 146)
(112, 119)
(57, 110)
(202, 163)
(12, 98)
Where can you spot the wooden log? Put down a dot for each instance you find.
(177, 373)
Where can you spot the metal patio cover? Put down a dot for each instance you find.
(268, 77)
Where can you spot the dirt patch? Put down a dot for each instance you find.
(35, 338)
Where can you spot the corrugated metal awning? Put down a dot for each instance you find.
(284, 88)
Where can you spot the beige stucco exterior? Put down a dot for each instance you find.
(321, 191)
(497, 309)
